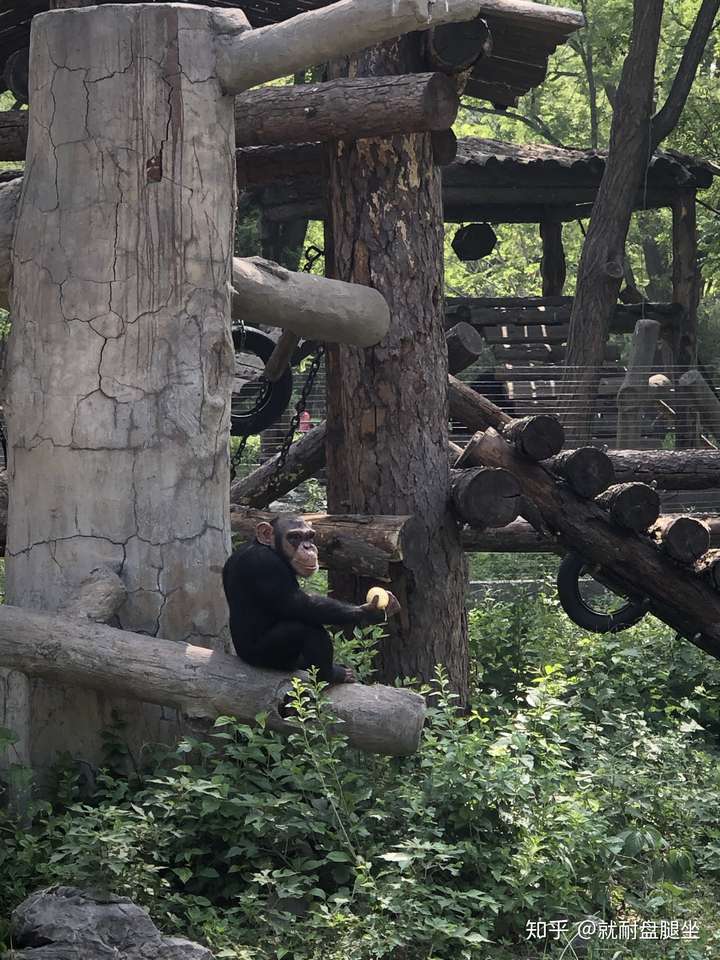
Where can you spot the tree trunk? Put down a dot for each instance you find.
(387, 406)
(601, 264)
(120, 360)
(632, 398)
(198, 681)
(686, 291)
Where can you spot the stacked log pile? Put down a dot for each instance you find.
(663, 563)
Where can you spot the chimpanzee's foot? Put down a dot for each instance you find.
(342, 674)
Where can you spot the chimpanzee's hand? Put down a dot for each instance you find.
(393, 607)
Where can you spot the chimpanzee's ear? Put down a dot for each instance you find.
(265, 533)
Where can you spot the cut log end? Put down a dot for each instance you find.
(537, 438)
(486, 497)
(588, 470)
(685, 539)
(634, 506)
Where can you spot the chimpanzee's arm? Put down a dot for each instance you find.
(275, 587)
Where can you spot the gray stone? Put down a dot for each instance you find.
(65, 923)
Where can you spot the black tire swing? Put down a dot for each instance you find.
(253, 412)
(571, 569)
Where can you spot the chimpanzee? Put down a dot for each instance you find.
(272, 621)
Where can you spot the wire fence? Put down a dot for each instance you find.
(530, 394)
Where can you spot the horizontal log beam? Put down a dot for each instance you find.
(517, 537)
(363, 545)
(464, 346)
(668, 469)
(312, 307)
(305, 459)
(345, 109)
(246, 58)
(198, 681)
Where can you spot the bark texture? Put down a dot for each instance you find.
(120, 359)
(360, 107)
(387, 406)
(200, 682)
(246, 58)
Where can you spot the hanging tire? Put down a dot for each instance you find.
(571, 569)
(275, 399)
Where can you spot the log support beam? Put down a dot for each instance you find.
(310, 306)
(246, 58)
(345, 109)
(198, 681)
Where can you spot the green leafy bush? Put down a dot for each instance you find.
(584, 782)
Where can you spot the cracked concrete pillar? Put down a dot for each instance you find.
(120, 359)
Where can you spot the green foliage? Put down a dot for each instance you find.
(583, 782)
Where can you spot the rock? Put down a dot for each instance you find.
(65, 923)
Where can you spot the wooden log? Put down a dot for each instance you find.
(444, 147)
(310, 306)
(345, 109)
(517, 537)
(454, 47)
(588, 470)
(259, 166)
(472, 409)
(281, 355)
(196, 680)
(683, 538)
(364, 545)
(246, 58)
(537, 437)
(9, 200)
(13, 134)
(552, 266)
(669, 469)
(633, 506)
(484, 497)
(697, 390)
(464, 346)
(708, 567)
(633, 394)
(677, 596)
(306, 457)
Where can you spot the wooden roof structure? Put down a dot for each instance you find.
(527, 183)
(524, 35)
(493, 181)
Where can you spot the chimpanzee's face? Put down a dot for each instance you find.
(294, 540)
(297, 545)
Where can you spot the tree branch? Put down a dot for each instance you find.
(665, 120)
(537, 125)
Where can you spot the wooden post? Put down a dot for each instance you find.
(686, 291)
(485, 498)
(121, 279)
(387, 409)
(464, 346)
(552, 266)
(633, 394)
